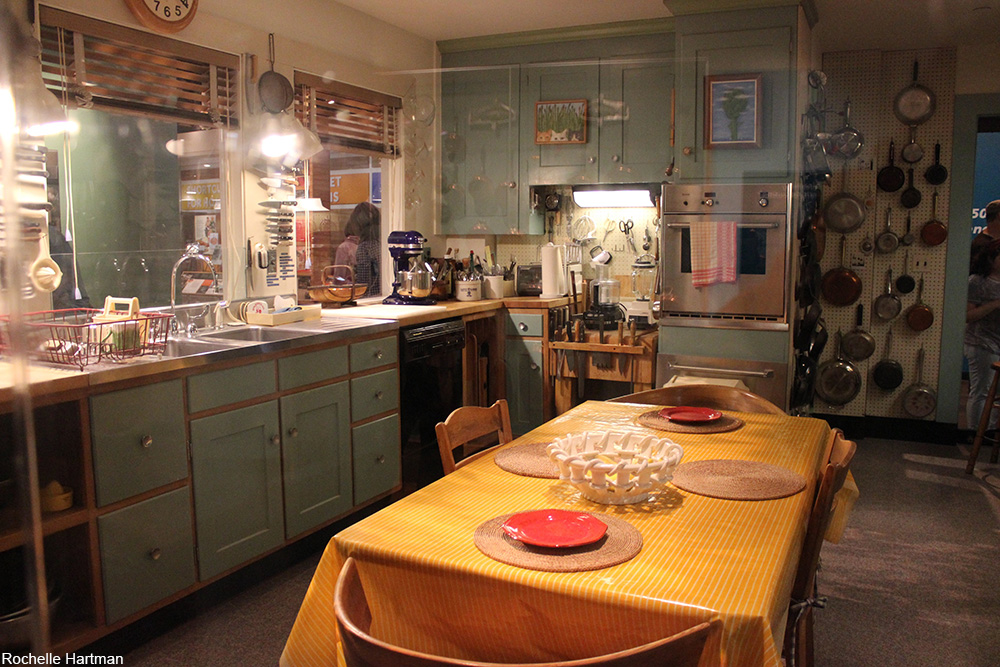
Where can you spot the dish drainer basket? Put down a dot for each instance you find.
(83, 336)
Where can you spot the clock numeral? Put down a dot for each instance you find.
(185, 3)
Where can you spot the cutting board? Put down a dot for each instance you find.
(381, 311)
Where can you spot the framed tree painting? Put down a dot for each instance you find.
(561, 122)
(732, 111)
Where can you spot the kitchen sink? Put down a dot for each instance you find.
(255, 334)
(186, 347)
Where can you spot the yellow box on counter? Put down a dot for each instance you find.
(303, 314)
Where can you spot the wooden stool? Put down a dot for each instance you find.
(984, 422)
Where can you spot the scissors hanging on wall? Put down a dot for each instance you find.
(626, 227)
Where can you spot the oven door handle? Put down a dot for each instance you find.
(724, 371)
(741, 225)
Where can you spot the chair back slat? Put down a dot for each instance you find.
(470, 423)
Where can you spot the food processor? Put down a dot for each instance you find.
(643, 284)
(605, 299)
(413, 279)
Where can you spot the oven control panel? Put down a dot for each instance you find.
(725, 197)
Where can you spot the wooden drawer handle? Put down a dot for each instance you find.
(146, 441)
(155, 553)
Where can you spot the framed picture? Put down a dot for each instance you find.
(561, 122)
(732, 111)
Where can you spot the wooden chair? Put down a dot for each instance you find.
(705, 396)
(798, 645)
(362, 650)
(984, 424)
(467, 424)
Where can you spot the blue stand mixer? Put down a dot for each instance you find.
(412, 286)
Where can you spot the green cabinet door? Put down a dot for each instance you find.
(316, 456)
(635, 121)
(479, 167)
(377, 459)
(236, 470)
(524, 384)
(559, 163)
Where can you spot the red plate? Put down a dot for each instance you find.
(555, 528)
(690, 415)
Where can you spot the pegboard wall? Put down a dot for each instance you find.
(871, 80)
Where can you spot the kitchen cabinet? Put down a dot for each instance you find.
(377, 458)
(236, 471)
(523, 355)
(479, 167)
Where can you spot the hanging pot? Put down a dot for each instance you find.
(888, 305)
(920, 399)
(847, 141)
(890, 177)
(915, 103)
(919, 316)
(858, 345)
(934, 232)
(844, 212)
(911, 196)
(838, 381)
(887, 241)
(936, 174)
(888, 373)
(841, 286)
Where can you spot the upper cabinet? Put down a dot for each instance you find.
(760, 42)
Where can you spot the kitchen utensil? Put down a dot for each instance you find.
(905, 282)
(888, 305)
(581, 362)
(887, 241)
(626, 227)
(338, 286)
(818, 341)
(44, 273)
(818, 226)
(276, 92)
(915, 103)
(847, 141)
(803, 386)
(934, 232)
(838, 380)
(867, 246)
(936, 174)
(858, 344)
(911, 196)
(920, 399)
(805, 328)
(919, 316)
(909, 237)
(844, 212)
(912, 152)
(888, 373)
(808, 289)
(841, 286)
(890, 177)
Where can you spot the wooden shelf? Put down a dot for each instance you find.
(52, 522)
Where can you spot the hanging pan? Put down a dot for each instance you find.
(838, 381)
(847, 141)
(805, 380)
(915, 103)
(934, 231)
(912, 152)
(887, 241)
(909, 237)
(841, 286)
(919, 316)
(905, 282)
(936, 174)
(844, 212)
(888, 373)
(276, 92)
(888, 305)
(919, 399)
(858, 344)
(890, 177)
(911, 196)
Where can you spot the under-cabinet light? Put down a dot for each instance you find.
(612, 196)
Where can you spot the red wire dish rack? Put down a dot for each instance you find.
(80, 336)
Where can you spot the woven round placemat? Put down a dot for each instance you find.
(621, 543)
(528, 460)
(737, 480)
(723, 424)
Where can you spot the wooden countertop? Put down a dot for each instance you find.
(443, 310)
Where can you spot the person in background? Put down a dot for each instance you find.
(366, 262)
(990, 233)
(982, 328)
(348, 250)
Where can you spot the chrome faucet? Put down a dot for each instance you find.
(191, 252)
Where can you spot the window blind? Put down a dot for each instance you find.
(346, 116)
(94, 64)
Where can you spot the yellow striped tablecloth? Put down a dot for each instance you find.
(432, 590)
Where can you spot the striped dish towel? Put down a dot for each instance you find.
(713, 253)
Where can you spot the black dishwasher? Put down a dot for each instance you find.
(430, 388)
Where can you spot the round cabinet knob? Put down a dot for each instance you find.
(522, 326)
(154, 553)
(146, 441)
(533, 366)
(378, 395)
(275, 440)
(511, 184)
(763, 202)
(293, 432)
(380, 458)
(378, 354)
(687, 150)
(615, 158)
(592, 159)
(709, 203)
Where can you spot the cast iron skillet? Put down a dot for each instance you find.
(888, 373)
(890, 177)
(936, 174)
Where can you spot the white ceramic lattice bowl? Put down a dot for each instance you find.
(615, 467)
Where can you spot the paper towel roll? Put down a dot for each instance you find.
(553, 271)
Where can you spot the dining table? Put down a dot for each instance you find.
(431, 588)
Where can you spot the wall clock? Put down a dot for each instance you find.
(163, 15)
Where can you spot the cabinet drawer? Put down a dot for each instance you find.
(523, 324)
(374, 393)
(376, 450)
(138, 440)
(147, 553)
(303, 369)
(374, 353)
(210, 390)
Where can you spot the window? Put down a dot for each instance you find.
(359, 130)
